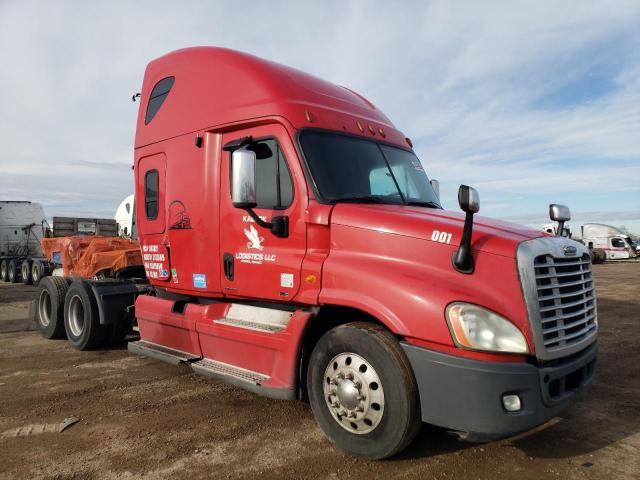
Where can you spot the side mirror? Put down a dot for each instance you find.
(468, 199)
(243, 178)
(560, 214)
(243, 190)
(435, 185)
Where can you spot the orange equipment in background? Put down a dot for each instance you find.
(86, 256)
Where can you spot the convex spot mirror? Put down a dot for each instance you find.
(468, 199)
(243, 178)
(559, 213)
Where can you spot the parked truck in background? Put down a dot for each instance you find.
(22, 226)
(26, 239)
(124, 217)
(612, 242)
(293, 245)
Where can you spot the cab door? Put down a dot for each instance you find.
(256, 263)
(150, 190)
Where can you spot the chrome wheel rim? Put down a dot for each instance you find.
(353, 393)
(44, 308)
(76, 316)
(25, 271)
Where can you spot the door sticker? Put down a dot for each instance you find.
(255, 240)
(178, 217)
(286, 280)
(199, 280)
(155, 261)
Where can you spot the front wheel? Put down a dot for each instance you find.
(363, 392)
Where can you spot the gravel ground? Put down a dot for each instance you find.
(140, 418)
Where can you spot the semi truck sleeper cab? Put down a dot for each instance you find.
(295, 247)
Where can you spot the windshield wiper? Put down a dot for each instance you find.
(423, 204)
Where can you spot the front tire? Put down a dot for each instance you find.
(81, 317)
(363, 392)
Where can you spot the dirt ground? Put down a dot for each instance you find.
(141, 418)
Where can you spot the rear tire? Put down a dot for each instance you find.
(363, 392)
(81, 317)
(39, 270)
(26, 272)
(50, 307)
(4, 270)
(14, 271)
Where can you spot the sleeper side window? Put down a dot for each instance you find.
(157, 97)
(274, 188)
(151, 194)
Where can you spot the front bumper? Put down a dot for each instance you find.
(466, 395)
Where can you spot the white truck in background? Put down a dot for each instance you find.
(124, 217)
(615, 244)
(552, 228)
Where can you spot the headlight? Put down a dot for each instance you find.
(477, 328)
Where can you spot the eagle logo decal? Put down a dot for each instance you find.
(255, 240)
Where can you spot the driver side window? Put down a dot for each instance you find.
(617, 243)
(274, 187)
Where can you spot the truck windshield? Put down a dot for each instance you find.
(349, 169)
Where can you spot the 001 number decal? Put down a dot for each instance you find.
(442, 237)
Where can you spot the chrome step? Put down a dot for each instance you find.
(166, 354)
(259, 319)
(228, 373)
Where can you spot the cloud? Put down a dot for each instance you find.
(531, 102)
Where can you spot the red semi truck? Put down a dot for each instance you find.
(294, 246)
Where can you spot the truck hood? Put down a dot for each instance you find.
(489, 235)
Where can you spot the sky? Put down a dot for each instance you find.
(531, 103)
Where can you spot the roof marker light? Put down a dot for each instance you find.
(308, 115)
(409, 142)
(381, 131)
(372, 130)
(360, 127)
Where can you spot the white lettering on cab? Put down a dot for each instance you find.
(441, 237)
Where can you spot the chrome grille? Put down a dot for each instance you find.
(559, 295)
(566, 299)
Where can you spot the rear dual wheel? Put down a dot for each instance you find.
(14, 271)
(50, 307)
(81, 317)
(363, 392)
(4, 270)
(39, 270)
(26, 272)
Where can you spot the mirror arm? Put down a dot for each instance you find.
(279, 225)
(462, 258)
